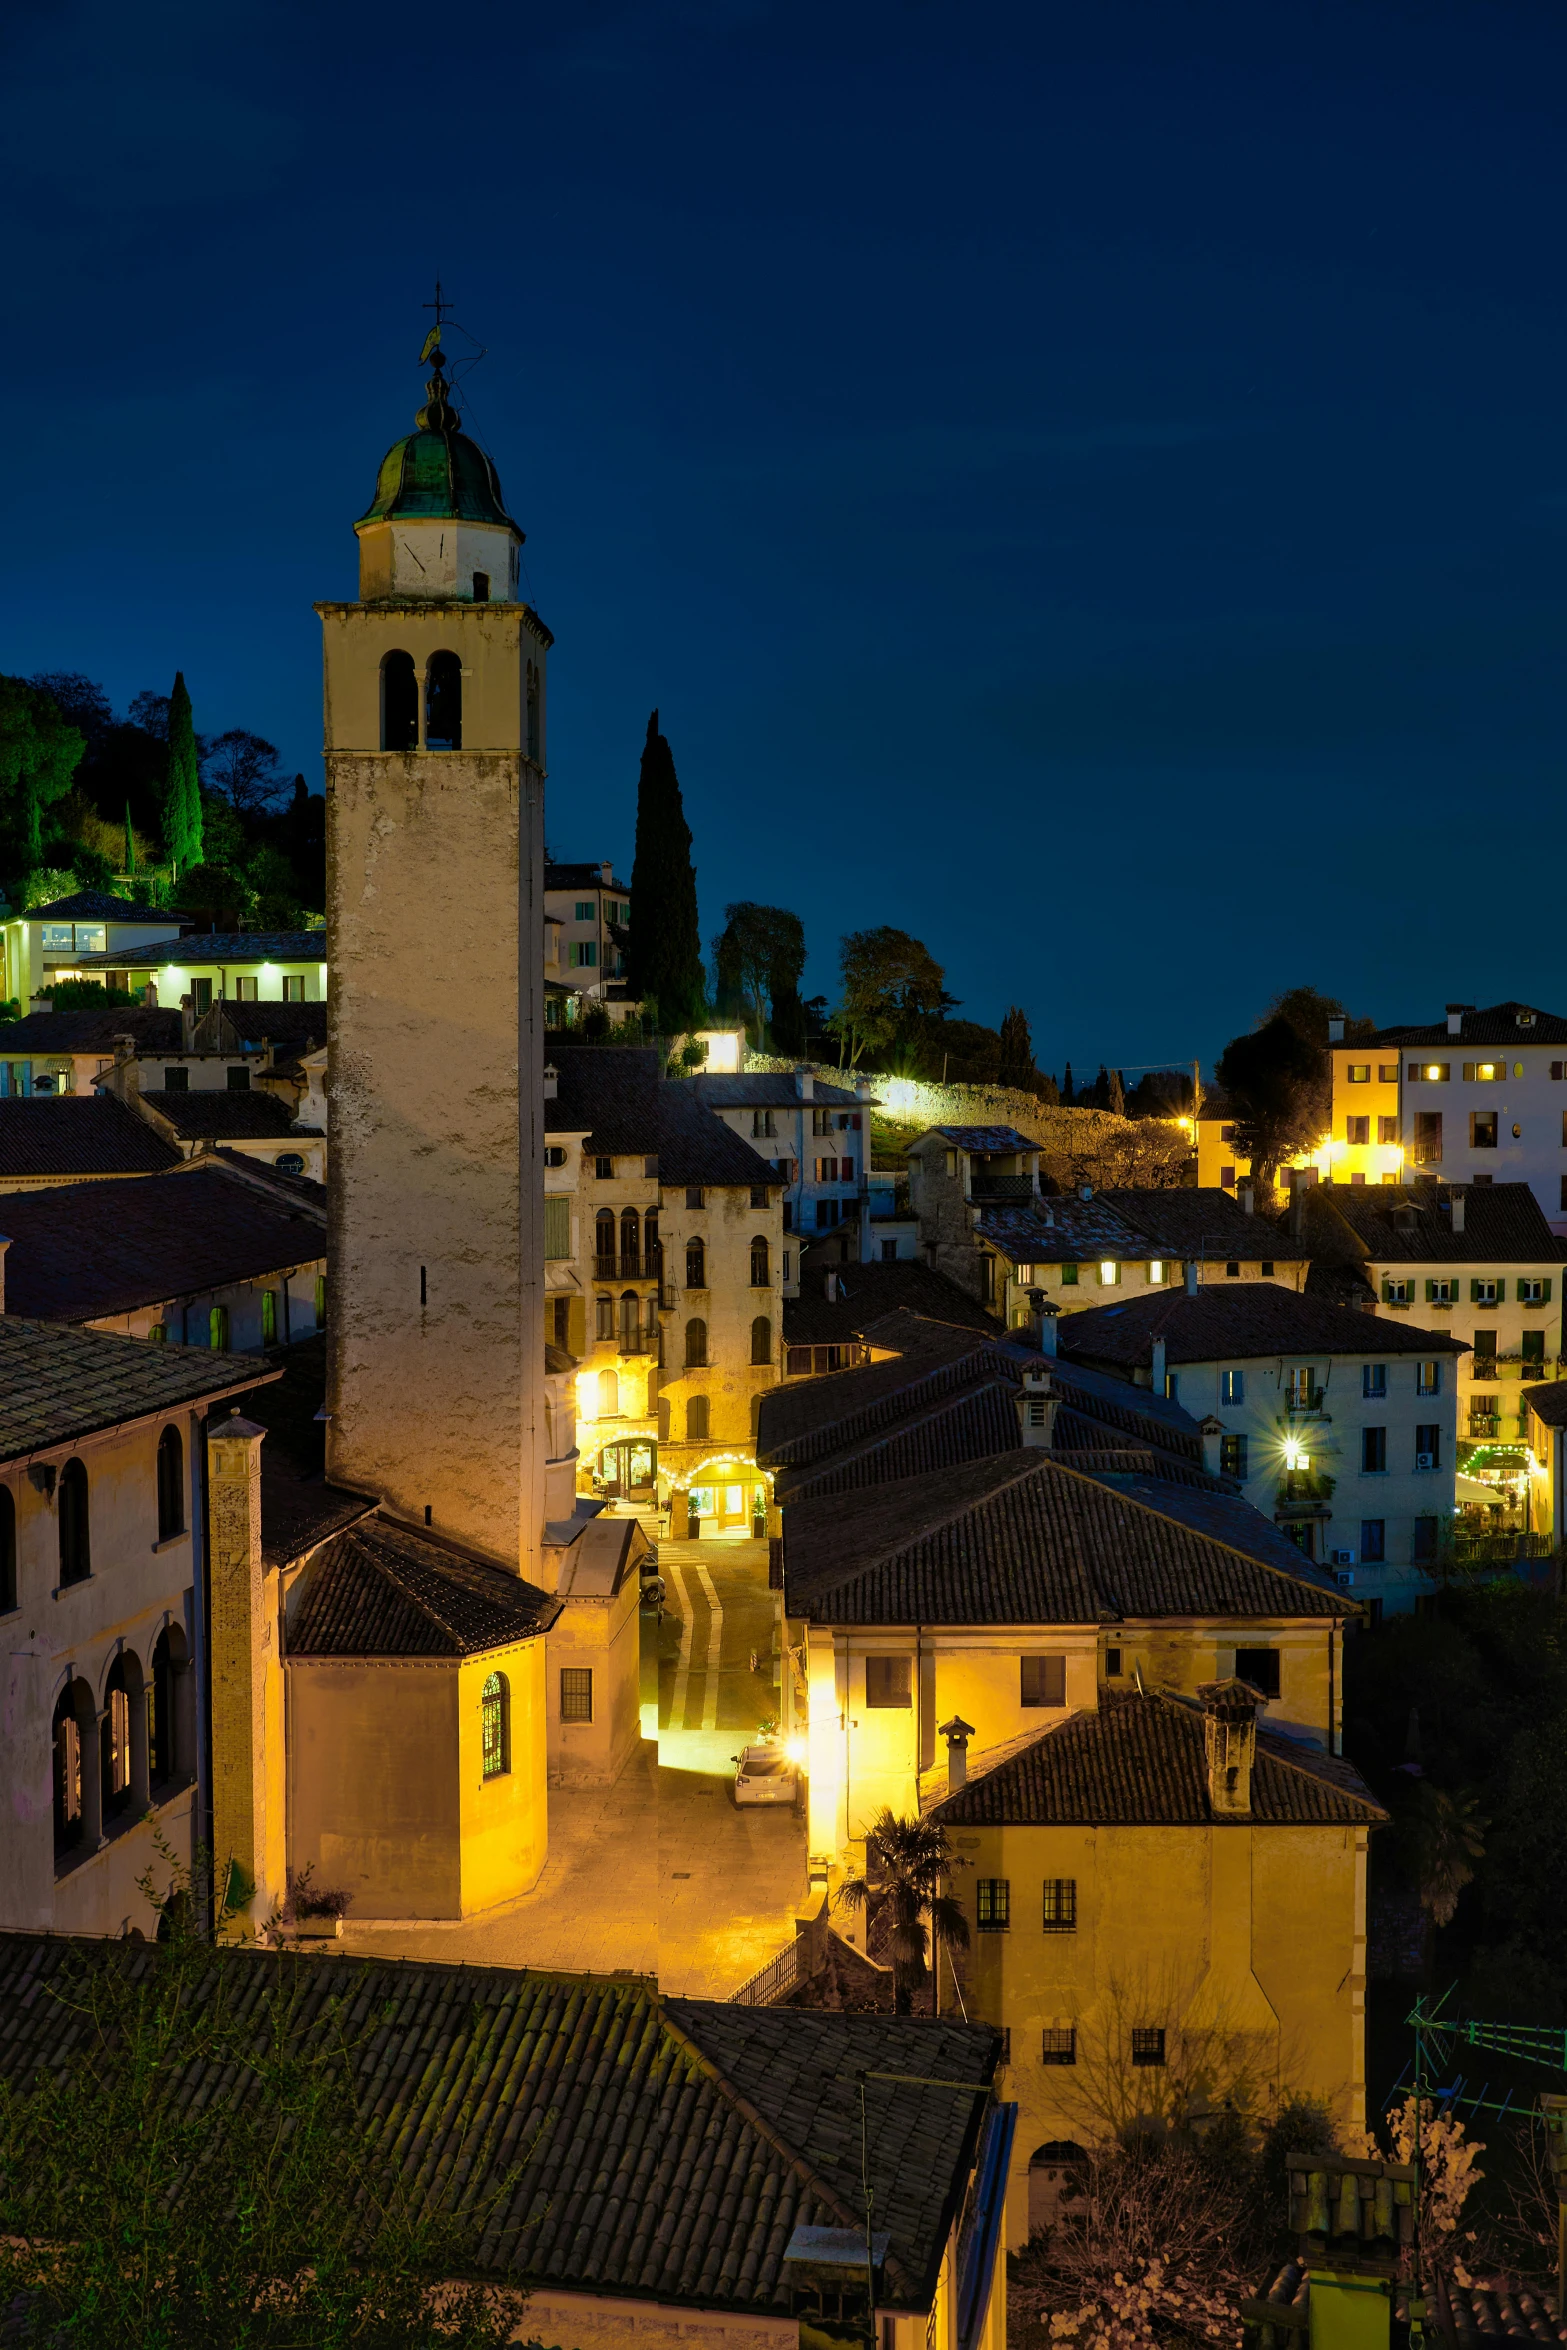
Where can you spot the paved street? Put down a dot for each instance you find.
(661, 1873)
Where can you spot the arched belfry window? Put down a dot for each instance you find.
(497, 1727)
(399, 703)
(443, 703)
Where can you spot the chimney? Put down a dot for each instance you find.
(1191, 1277)
(957, 1733)
(249, 1869)
(1247, 1199)
(1458, 1214)
(1455, 1018)
(1213, 1432)
(862, 1089)
(40, 1003)
(1336, 1031)
(551, 1081)
(1156, 1380)
(149, 995)
(1047, 1321)
(830, 1289)
(1036, 1408)
(1229, 1723)
(806, 1080)
(188, 1023)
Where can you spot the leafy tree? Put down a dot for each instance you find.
(1016, 1066)
(214, 897)
(244, 768)
(892, 984)
(915, 1857)
(182, 782)
(1279, 1087)
(1308, 1012)
(206, 2166)
(758, 957)
(664, 948)
(39, 756)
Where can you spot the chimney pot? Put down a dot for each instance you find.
(1047, 1328)
(1336, 1031)
(1248, 1199)
(1458, 1212)
(1229, 1711)
(806, 1080)
(551, 1081)
(1191, 1277)
(957, 1733)
(1158, 1372)
(1037, 1406)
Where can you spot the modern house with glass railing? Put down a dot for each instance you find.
(47, 942)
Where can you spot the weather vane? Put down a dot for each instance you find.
(432, 341)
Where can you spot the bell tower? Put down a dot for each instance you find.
(434, 723)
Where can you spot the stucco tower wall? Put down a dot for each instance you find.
(434, 1072)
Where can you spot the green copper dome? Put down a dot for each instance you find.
(436, 472)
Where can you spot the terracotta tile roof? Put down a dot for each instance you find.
(81, 1251)
(1204, 1223)
(1496, 1024)
(867, 1292)
(210, 1113)
(776, 1089)
(381, 1589)
(100, 905)
(1127, 1226)
(970, 1425)
(78, 1134)
(1139, 1761)
(1024, 1537)
(1488, 2312)
(615, 1095)
(662, 2151)
(91, 1028)
(583, 877)
(1549, 1402)
(818, 1418)
(1002, 1140)
(200, 947)
(1412, 1224)
(58, 1385)
(1239, 1320)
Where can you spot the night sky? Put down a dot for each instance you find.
(1083, 483)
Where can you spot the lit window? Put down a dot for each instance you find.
(1109, 1274)
(1232, 1387)
(1156, 1272)
(1359, 1072)
(1428, 1379)
(993, 1904)
(497, 1728)
(1060, 1905)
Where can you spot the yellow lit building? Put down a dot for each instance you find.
(1167, 1914)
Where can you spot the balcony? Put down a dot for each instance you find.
(1303, 1402)
(632, 1267)
(984, 1185)
(1303, 1494)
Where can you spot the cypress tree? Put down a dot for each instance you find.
(1016, 1065)
(130, 844)
(1068, 1097)
(182, 785)
(664, 947)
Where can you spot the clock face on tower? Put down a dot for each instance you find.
(406, 547)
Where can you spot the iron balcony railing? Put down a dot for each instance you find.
(628, 1265)
(983, 1185)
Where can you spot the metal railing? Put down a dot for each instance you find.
(632, 1266)
(986, 1186)
(779, 1975)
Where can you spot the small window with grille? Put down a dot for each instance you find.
(993, 1897)
(1148, 2044)
(1058, 2044)
(1060, 1905)
(576, 1693)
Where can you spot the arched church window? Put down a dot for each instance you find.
(497, 1727)
(443, 703)
(399, 703)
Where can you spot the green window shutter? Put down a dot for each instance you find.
(1069, 1276)
(1430, 1293)
(557, 1225)
(1474, 1293)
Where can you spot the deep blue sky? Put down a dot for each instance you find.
(1081, 482)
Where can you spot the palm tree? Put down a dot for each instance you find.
(915, 1856)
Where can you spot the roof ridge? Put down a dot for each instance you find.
(791, 2155)
(1168, 1518)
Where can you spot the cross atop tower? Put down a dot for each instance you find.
(442, 309)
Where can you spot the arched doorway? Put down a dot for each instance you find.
(1057, 2175)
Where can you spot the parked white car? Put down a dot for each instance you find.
(764, 1774)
